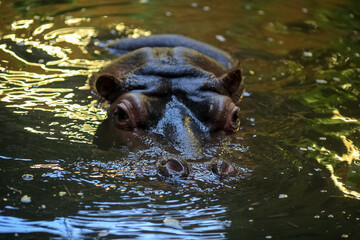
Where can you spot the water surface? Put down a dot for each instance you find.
(297, 147)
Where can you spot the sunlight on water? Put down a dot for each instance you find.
(340, 175)
(76, 36)
(21, 24)
(42, 28)
(132, 33)
(30, 91)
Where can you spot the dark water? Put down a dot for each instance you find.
(297, 148)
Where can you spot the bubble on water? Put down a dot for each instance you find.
(283, 195)
(220, 38)
(194, 5)
(26, 199)
(103, 234)
(61, 194)
(321, 81)
(169, 222)
(28, 177)
(261, 12)
(304, 10)
(168, 14)
(206, 8)
(307, 54)
(227, 223)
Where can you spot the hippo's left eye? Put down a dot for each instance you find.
(123, 116)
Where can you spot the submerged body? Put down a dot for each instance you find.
(172, 86)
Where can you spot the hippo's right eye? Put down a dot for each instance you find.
(123, 116)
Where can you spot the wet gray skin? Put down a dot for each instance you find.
(173, 89)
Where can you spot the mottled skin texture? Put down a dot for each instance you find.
(174, 86)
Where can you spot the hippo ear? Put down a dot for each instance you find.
(232, 80)
(106, 85)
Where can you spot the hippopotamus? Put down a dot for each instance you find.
(172, 86)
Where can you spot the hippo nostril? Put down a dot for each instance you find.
(174, 165)
(223, 169)
(226, 168)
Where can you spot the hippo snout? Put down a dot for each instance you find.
(176, 167)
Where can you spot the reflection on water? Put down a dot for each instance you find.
(51, 77)
(109, 219)
(297, 149)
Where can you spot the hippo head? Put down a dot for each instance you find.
(177, 91)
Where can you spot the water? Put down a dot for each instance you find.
(297, 148)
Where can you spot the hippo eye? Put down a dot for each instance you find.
(123, 116)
